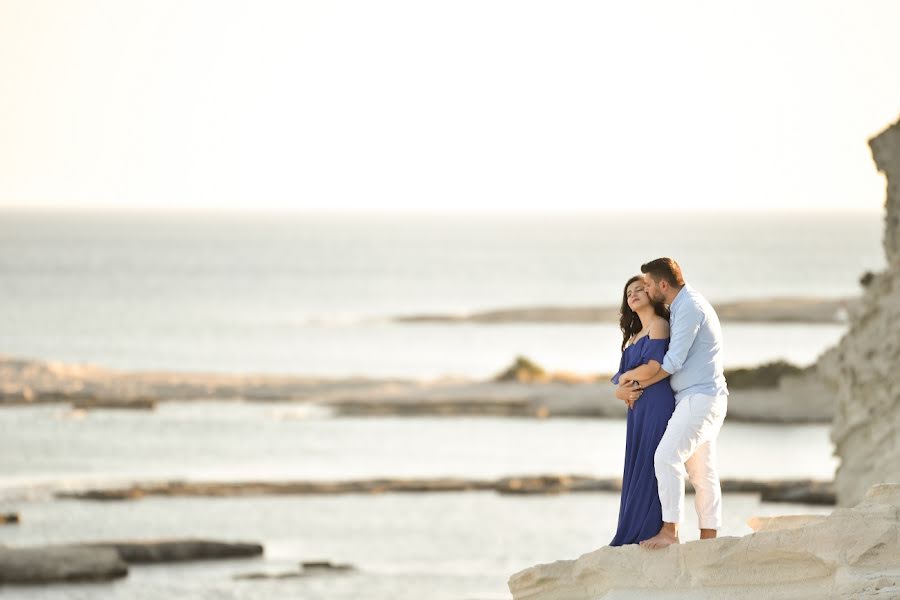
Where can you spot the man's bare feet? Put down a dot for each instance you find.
(707, 534)
(667, 536)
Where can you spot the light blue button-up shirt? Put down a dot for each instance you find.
(694, 359)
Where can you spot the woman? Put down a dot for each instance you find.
(645, 339)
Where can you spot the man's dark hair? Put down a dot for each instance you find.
(664, 269)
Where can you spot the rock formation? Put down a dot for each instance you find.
(853, 553)
(806, 491)
(60, 564)
(99, 561)
(769, 393)
(863, 367)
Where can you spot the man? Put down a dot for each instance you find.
(695, 366)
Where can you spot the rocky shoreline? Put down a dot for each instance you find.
(110, 560)
(795, 400)
(770, 310)
(804, 491)
(99, 561)
(774, 393)
(852, 553)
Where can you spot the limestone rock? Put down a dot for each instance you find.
(307, 569)
(852, 553)
(805, 491)
(60, 563)
(163, 551)
(862, 368)
(97, 561)
(783, 522)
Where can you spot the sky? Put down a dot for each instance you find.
(505, 106)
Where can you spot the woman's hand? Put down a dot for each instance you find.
(629, 393)
(635, 394)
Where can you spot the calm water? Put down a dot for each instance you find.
(406, 546)
(454, 546)
(216, 440)
(314, 294)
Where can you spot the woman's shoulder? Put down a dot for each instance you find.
(659, 329)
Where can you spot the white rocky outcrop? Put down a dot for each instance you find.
(852, 553)
(864, 368)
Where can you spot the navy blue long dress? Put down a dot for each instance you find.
(640, 512)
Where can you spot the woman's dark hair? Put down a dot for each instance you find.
(629, 321)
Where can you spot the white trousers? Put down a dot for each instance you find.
(688, 448)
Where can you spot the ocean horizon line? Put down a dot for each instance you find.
(420, 212)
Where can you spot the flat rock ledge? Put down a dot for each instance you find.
(61, 564)
(758, 395)
(852, 553)
(766, 310)
(804, 491)
(307, 569)
(164, 551)
(102, 561)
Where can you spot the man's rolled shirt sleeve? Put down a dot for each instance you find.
(684, 331)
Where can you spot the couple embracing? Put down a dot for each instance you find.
(671, 376)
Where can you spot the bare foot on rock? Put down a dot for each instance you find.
(663, 539)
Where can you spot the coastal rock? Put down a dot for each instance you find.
(769, 393)
(133, 403)
(325, 566)
(783, 522)
(25, 381)
(803, 397)
(307, 569)
(60, 564)
(95, 561)
(799, 396)
(259, 488)
(265, 575)
(862, 368)
(523, 370)
(852, 553)
(805, 491)
(163, 551)
(767, 310)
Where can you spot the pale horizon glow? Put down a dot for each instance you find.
(505, 106)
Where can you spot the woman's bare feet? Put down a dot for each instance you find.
(667, 536)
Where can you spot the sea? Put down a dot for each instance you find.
(318, 294)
